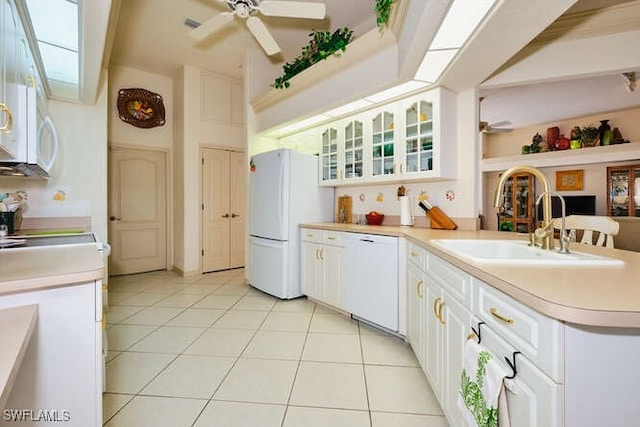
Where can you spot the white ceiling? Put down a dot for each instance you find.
(150, 34)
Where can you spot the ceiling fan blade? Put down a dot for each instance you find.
(211, 26)
(262, 35)
(293, 9)
(503, 123)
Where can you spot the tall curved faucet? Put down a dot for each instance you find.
(547, 240)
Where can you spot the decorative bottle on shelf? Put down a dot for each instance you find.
(553, 133)
(562, 143)
(605, 133)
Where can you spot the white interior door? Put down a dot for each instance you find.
(137, 210)
(237, 197)
(216, 214)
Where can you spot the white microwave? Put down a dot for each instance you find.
(30, 147)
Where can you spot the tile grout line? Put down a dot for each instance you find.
(295, 376)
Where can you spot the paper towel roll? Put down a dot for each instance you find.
(406, 217)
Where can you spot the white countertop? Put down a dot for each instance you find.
(588, 295)
(31, 269)
(16, 328)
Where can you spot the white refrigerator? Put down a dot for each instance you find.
(283, 192)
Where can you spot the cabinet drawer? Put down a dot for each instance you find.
(333, 238)
(537, 336)
(417, 255)
(311, 235)
(456, 281)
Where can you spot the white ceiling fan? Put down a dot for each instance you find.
(247, 9)
(486, 127)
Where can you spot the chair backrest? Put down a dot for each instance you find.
(603, 225)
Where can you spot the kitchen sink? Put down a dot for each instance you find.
(514, 252)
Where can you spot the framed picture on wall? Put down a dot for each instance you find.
(571, 180)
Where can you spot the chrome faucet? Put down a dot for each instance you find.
(547, 239)
(548, 229)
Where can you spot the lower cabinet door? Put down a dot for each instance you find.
(415, 312)
(332, 268)
(311, 270)
(455, 330)
(432, 296)
(533, 398)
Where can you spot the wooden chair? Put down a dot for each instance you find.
(588, 224)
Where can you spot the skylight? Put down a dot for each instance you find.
(55, 24)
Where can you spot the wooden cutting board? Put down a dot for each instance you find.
(343, 209)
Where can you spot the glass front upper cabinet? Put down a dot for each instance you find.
(330, 154)
(383, 144)
(419, 137)
(353, 150)
(623, 183)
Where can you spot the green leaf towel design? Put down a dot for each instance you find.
(477, 393)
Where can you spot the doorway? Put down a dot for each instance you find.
(137, 210)
(223, 209)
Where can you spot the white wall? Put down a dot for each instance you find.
(196, 128)
(124, 133)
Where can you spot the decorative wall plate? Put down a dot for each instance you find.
(140, 108)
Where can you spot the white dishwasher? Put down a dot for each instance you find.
(371, 278)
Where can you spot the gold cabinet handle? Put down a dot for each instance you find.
(7, 126)
(440, 313)
(103, 321)
(435, 306)
(395, 167)
(401, 168)
(494, 313)
(419, 288)
(331, 238)
(322, 254)
(317, 253)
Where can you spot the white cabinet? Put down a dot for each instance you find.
(62, 367)
(447, 326)
(439, 316)
(415, 311)
(451, 299)
(533, 398)
(329, 153)
(9, 78)
(322, 266)
(405, 140)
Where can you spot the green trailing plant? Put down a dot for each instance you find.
(321, 46)
(383, 10)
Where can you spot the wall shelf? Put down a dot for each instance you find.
(583, 156)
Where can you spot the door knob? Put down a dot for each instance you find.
(225, 215)
(235, 215)
(113, 218)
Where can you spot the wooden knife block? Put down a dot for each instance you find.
(440, 220)
(344, 205)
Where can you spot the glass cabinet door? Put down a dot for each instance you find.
(330, 154)
(353, 150)
(636, 191)
(383, 149)
(419, 137)
(623, 186)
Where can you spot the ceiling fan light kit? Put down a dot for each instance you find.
(248, 9)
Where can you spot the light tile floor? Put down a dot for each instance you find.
(210, 351)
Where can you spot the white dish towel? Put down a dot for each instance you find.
(482, 397)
